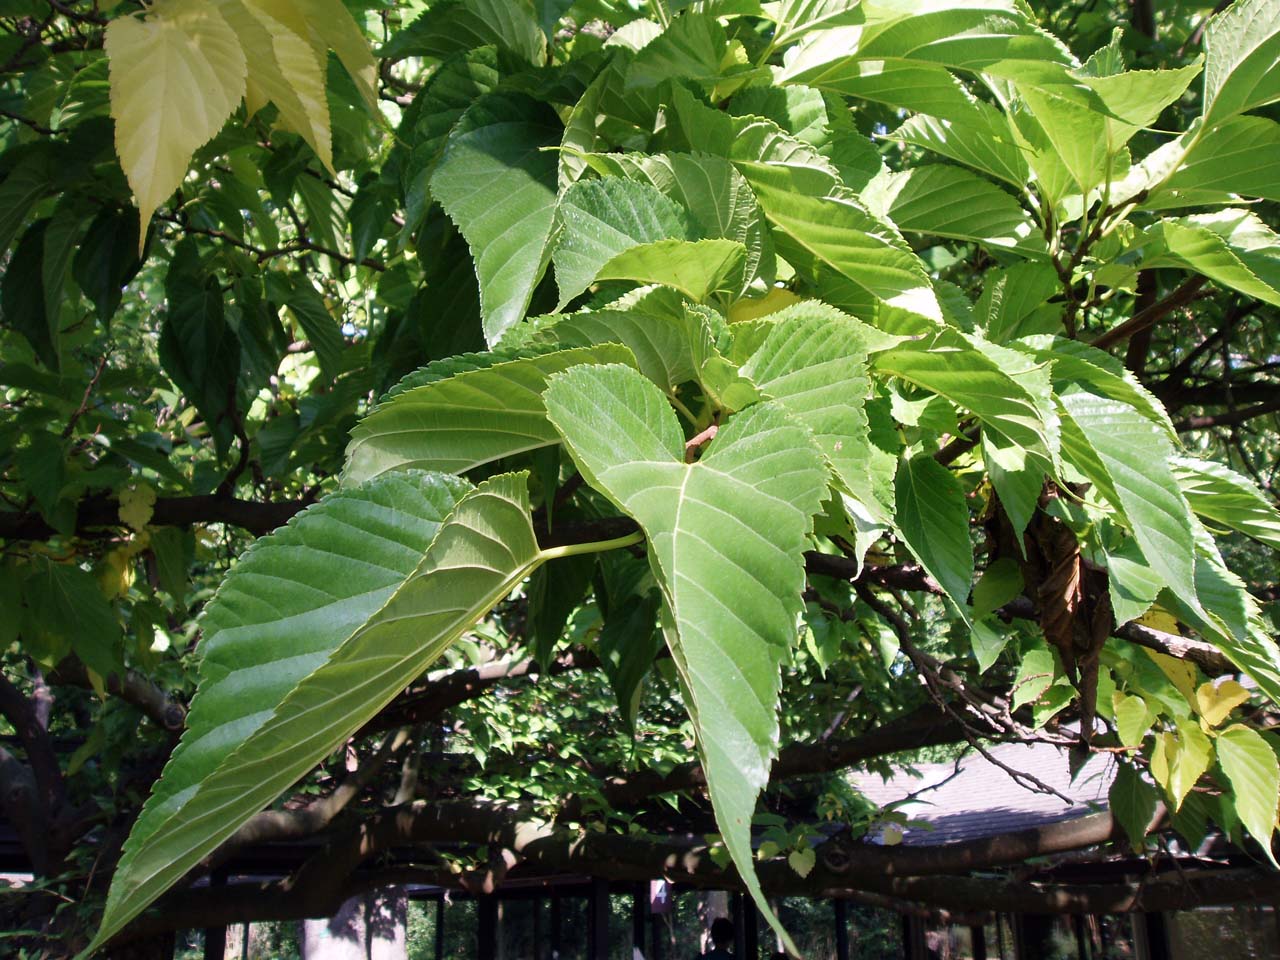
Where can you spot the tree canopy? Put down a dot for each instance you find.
(512, 437)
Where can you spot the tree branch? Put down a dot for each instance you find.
(41, 758)
(1145, 319)
(135, 689)
(1231, 418)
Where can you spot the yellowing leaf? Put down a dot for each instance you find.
(137, 504)
(285, 69)
(1158, 618)
(1182, 674)
(341, 34)
(1179, 759)
(749, 308)
(802, 861)
(1214, 703)
(175, 79)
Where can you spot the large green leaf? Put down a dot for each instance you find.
(837, 233)
(933, 519)
(947, 201)
(1127, 457)
(1231, 160)
(198, 348)
(1009, 396)
(980, 138)
(691, 48)
(459, 25)
(795, 18)
(1250, 765)
(472, 418)
(1233, 248)
(293, 599)
(603, 218)
(1218, 493)
(1242, 59)
(812, 360)
(715, 196)
(424, 129)
(697, 268)
(498, 184)
(726, 537)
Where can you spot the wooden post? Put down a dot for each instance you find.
(840, 909)
(555, 925)
(487, 927)
(639, 918)
(978, 941)
(215, 938)
(440, 927)
(1082, 947)
(737, 906)
(751, 921)
(598, 921)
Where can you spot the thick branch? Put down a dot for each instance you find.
(135, 689)
(1231, 418)
(448, 689)
(41, 758)
(257, 518)
(1145, 319)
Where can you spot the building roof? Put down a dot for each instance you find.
(975, 798)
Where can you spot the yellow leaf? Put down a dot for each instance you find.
(285, 69)
(1180, 673)
(341, 34)
(1214, 703)
(1158, 618)
(771, 302)
(115, 575)
(137, 504)
(175, 78)
(1179, 760)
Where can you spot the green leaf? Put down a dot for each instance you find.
(603, 218)
(691, 48)
(813, 362)
(795, 18)
(460, 25)
(1250, 765)
(65, 610)
(1230, 161)
(697, 268)
(312, 314)
(980, 137)
(1242, 60)
(466, 420)
(24, 185)
(372, 645)
(198, 349)
(1216, 492)
(1131, 583)
(452, 88)
(946, 201)
(1231, 247)
(650, 321)
(1013, 302)
(933, 518)
(1008, 395)
(61, 239)
(1073, 362)
(999, 583)
(22, 300)
(1018, 479)
(837, 233)
(988, 638)
(1133, 719)
(107, 259)
(1133, 803)
(628, 643)
(1035, 676)
(718, 201)
(499, 186)
(1127, 456)
(726, 537)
